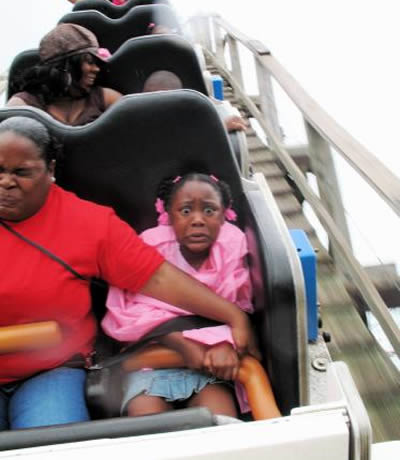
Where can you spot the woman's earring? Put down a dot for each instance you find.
(53, 179)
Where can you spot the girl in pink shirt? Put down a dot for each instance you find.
(194, 235)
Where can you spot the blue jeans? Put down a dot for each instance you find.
(50, 398)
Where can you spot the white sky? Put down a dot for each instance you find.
(343, 52)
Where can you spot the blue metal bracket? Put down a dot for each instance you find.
(308, 261)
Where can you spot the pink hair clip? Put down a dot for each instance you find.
(215, 179)
(177, 179)
(163, 215)
(230, 214)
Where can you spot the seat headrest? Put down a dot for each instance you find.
(111, 33)
(111, 10)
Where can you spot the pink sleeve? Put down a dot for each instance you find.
(236, 284)
(210, 335)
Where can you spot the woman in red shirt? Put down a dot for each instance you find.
(36, 388)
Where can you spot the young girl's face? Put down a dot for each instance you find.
(196, 214)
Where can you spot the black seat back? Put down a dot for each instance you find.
(22, 61)
(132, 63)
(119, 160)
(111, 10)
(111, 33)
(137, 58)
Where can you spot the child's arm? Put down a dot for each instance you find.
(220, 360)
(173, 286)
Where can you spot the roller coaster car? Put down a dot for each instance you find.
(125, 174)
(113, 11)
(133, 62)
(111, 33)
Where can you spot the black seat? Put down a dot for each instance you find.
(152, 145)
(22, 61)
(137, 58)
(111, 10)
(132, 63)
(111, 33)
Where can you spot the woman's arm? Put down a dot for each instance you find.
(15, 101)
(110, 96)
(175, 287)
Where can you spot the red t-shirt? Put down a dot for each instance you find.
(33, 287)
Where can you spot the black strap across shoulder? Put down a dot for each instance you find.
(47, 252)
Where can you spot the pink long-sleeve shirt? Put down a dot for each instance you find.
(130, 316)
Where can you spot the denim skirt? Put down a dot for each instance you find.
(170, 384)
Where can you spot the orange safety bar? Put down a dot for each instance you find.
(31, 336)
(251, 374)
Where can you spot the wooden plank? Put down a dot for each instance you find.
(384, 182)
(328, 186)
(235, 60)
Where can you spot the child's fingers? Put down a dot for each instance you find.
(207, 364)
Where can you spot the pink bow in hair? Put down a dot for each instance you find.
(162, 213)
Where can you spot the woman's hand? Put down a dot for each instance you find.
(243, 335)
(222, 361)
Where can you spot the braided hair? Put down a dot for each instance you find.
(169, 186)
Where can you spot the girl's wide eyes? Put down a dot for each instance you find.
(208, 211)
(185, 211)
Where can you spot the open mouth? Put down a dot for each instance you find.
(198, 238)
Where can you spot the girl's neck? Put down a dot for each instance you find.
(195, 259)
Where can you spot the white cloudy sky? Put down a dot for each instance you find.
(343, 52)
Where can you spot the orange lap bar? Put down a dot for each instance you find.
(251, 374)
(32, 336)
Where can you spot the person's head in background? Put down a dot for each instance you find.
(69, 63)
(153, 29)
(162, 80)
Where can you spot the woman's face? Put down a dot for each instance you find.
(90, 69)
(25, 178)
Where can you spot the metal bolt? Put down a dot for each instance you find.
(326, 336)
(320, 364)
